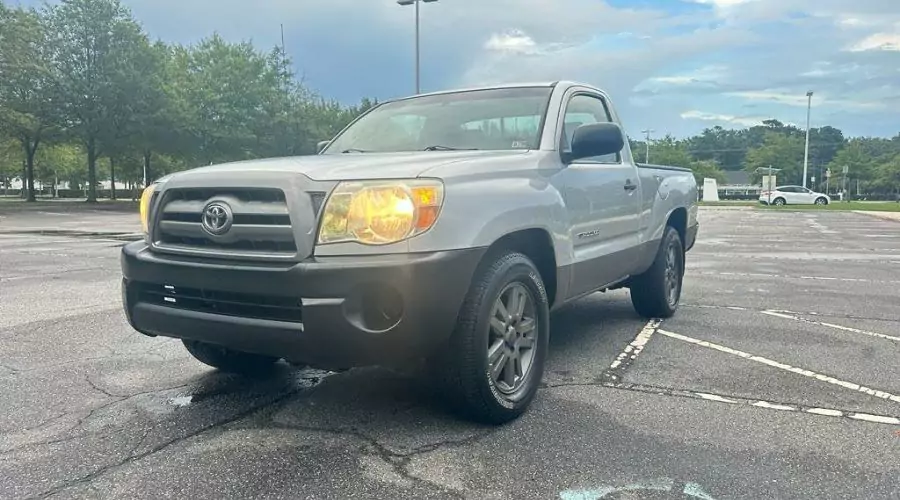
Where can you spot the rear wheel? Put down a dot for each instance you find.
(657, 292)
(779, 202)
(228, 360)
(493, 364)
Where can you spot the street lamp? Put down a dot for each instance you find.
(647, 133)
(416, 3)
(806, 152)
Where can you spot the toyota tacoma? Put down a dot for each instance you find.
(441, 228)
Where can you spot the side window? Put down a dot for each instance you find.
(585, 110)
(788, 189)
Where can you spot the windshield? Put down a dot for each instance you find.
(496, 119)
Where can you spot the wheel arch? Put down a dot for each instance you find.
(678, 219)
(536, 244)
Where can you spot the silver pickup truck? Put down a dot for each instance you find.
(441, 228)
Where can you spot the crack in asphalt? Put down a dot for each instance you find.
(83, 419)
(131, 457)
(399, 461)
(13, 371)
(693, 394)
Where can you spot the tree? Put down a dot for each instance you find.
(669, 151)
(780, 151)
(888, 176)
(824, 144)
(226, 96)
(10, 163)
(27, 113)
(95, 47)
(856, 156)
(707, 169)
(61, 162)
(725, 147)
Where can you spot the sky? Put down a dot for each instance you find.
(674, 66)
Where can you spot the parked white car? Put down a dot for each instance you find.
(793, 195)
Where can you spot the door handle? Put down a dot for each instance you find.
(629, 186)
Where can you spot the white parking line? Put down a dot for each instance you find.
(782, 366)
(713, 397)
(786, 315)
(875, 418)
(757, 403)
(633, 349)
(773, 406)
(782, 276)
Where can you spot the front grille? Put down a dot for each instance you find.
(244, 305)
(261, 223)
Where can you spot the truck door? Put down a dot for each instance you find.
(603, 197)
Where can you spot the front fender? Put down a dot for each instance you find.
(480, 210)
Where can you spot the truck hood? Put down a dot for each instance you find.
(340, 167)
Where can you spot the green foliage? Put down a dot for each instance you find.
(887, 175)
(779, 151)
(10, 162)
(101, 55)
(707, 169)
(64, 162)
(669, 151)
(27, 113)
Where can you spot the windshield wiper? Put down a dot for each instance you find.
(447, 148)
(353, 150)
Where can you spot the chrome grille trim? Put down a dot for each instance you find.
(261, 228)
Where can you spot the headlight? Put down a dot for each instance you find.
(380, 212)
(146, 196)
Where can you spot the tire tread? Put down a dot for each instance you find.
(647, 290)
(459, 364)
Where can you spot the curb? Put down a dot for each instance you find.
(100, 235)
(891, 216)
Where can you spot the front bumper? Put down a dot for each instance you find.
(334, 312)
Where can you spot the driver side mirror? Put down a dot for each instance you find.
(596, 139)
(322, 145)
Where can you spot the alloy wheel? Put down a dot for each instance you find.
(512, 338)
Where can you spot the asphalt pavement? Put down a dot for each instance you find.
(778, 378)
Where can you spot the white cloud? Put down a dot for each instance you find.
(743, 121)
(774, 96)
(878, 41)
(514, 41)
(707, 75)
(868, 102)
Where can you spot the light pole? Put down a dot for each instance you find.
(416, 3)
(806, 152)
(647, 133)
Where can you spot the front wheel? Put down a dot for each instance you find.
(657, 292)
(228, 360)
(821, 201)
(493, 364)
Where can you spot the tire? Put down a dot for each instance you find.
(652, 293)
(821, 201)
(779, 202)
(228, 360)
(482, 391)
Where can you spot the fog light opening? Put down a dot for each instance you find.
(375, 308)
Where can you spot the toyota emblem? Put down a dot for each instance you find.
(217, 218)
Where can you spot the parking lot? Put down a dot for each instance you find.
(778, 378)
